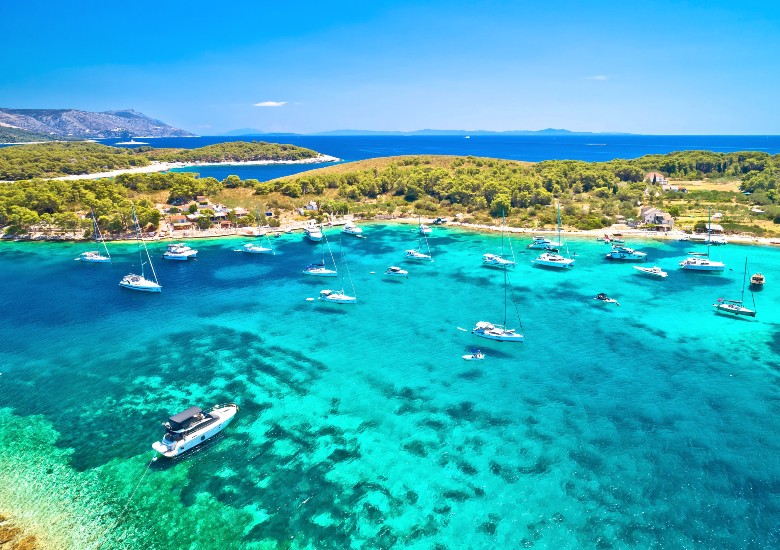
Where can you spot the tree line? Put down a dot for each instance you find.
(50, 160)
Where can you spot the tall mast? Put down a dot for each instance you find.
(504, 297)
(138, 238)
(709, 231)
(744, 276)
(559, 224)
(98, 236)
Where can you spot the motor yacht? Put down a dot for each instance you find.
(179, 251)
(192, 427)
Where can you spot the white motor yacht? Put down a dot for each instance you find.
(395, 271)
(351, 229)
(192, 427)
(93, 256)
(654, 271)
(179, 251)
(139, 282)
(499, 333)
(313, 233)
(548, 259)
(337, 297)
(250, 248)
(626, 254)
(319, 270)
(543, 243)
(494, 260)
(415, 254)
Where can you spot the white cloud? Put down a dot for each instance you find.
(598, 77)
(270, 104)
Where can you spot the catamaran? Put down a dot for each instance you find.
(179, 251)
(703, 263)
(340, 296)
(498, 260)
(140, 282)
(500, 333)
(319, 269)
(736, 307)
(550, 259)
(192, 427)
(94, 256)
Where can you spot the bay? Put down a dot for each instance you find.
(649, 424)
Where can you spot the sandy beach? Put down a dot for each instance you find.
(298, 225)
(165, 166)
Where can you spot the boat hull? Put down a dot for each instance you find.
(732, 309)
(321, 273)
(93, 260)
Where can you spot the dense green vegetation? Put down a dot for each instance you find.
(17, 135)
(233, 151)
(592, 195)
(49, 160)
(63, 159)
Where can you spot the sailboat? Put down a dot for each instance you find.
(94, 256)
(699, 263)
(340, 296)
(500, 333)
(498, 260)
(251, 248)
(419, 253)
(140, 282)
(319, 270)
(550, 259)
(422, 229)
(736, 307)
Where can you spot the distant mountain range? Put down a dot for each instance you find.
(546, 132)
(72, 123)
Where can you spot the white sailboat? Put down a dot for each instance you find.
(420, 253)
(251, 248)
(140, 282)
(498, 260)
(340, 296)
(699, 263)
(94, 256)
(736, 307)
(319, 269)
(550, 259)
(500, 333)
(422, 229)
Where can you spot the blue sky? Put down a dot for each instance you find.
(655, 67)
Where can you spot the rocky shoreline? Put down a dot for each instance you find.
(13, 537)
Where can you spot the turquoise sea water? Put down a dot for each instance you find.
(652, 424)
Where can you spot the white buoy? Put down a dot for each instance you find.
(373, 273)
(309, 299)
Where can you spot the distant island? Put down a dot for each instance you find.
(25, 125)
(53, 160)
(427, 132)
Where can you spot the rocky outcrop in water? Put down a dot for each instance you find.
(12, 538)
(85, 124)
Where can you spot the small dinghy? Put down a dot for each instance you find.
(395, 271)
(476, 356)
(603, 298)
(654, 271)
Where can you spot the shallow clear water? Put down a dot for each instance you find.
(651, 424)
